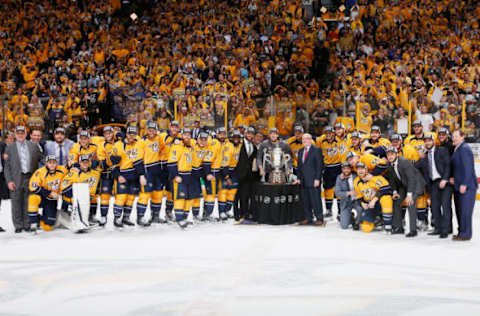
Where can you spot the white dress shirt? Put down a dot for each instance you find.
(24, 156)
(435, 174)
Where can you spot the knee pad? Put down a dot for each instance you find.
(231, 194)
(94, 199)
(222, 195)
(329, 194)
(179, 204)
(196, 203)
(157, 197)
(169, 196)
(386, 203)
(367, 227)
(422, 202)
(120, 199)
(130, 199)
(143, 198)
(105, 199)
(34, 201)
(188, 205)
(210, 198)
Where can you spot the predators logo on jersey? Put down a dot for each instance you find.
(331, 151)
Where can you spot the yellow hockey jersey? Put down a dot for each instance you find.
(104, 154)
(91, 176)
(180, 162)
(377, 186)
(409, 152)
(43, 182)
(77, 150)
(295, 146)
(152, 151)
(165, 142)
(418, 143)
(130, 159)
(331, 155)
(216, 147)
(371, 161)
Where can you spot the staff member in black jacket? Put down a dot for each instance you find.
(435, 167)
(309, 169)
(407, 184)
(246, 177)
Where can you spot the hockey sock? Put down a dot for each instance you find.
(195, 211)
(179, 215)
(93, 209)
(155, 209)
(103, 210)
(141, 209)
(328, 205)
(208, 207)
(117, 211)
(127, 210)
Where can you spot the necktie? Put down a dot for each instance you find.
(430, 165)
(60, 158)
(305, 154)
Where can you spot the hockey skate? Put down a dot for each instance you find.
(117, 222)
(141, 221)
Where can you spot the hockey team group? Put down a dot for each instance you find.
(372, 185)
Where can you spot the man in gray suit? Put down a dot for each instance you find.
(60, 147)
(22, 159)
(345, 191)
(407, 184)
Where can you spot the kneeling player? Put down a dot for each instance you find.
(375, 198)
(84, 175)
(44, 189)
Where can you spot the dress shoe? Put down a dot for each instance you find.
(305, 222)
(443, 235)
(455, 237)
(459, 238)
(2, 230)
(433, 233)
(397, 231)
(18, 230)
(319, 223)
(355, 226)
(411, 234)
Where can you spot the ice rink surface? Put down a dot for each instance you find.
(225, 269)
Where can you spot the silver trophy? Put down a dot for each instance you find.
(278, 162)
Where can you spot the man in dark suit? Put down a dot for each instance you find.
(435, 167)
(407, 184)
(246, 177)
(22, 159)
(465, 185)
(309, 169)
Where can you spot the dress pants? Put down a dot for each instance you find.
(441, 206)
(312, 201)
(398, 214)
(244, 196)
(464, 204)
(19, 199)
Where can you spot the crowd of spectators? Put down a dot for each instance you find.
(240, 62)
